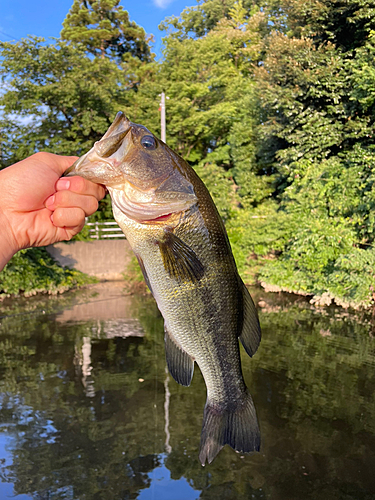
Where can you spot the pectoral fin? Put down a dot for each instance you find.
(179, 260)
(180, 364)
(251, 334)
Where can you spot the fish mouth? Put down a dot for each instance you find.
(70, 171)
(107, 147)
(163, 219)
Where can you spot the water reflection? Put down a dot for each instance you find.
(87, 410)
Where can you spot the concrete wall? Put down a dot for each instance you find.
(105, 259)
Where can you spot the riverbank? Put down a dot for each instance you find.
(65, 266)
(34, 271)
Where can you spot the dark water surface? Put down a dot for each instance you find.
(87, 410)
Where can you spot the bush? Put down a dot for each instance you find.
(34, 271)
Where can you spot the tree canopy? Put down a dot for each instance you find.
(104, 28)
(62, 96)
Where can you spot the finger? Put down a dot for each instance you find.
(68, 199)
(69, 218)
(82, 186)
(57, 162)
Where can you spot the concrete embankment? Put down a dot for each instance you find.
(105, 259)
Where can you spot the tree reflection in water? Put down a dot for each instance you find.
(87, 412)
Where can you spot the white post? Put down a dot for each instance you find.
(162, 116)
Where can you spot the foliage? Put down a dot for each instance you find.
(105, 30)
(34, 270)
(316, 137)
(258, 235)
(211, 103)
(201, 19)
(62, 96)
(58, 99)
(272, 102)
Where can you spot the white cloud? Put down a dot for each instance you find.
(162, 4)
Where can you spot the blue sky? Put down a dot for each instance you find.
(19, 18)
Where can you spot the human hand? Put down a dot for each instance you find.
(39, 208)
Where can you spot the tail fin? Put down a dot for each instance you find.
(236, 426)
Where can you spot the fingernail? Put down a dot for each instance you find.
(62, 184)
(50, 201)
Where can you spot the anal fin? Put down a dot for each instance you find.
(180, 364)
(251, 333)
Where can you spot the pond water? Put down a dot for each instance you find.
(88, 411)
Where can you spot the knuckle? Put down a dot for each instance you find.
(69, 217)
(99, 192)
(42, 157)
(94, 204)
(80, 226)
(57, 217)
(79, 216)
(103, 192)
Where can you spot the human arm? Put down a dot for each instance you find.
(38, 207)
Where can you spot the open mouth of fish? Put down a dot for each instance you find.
(127, 160)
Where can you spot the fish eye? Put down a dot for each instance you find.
(148, 142)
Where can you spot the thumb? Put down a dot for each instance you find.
(57, 163)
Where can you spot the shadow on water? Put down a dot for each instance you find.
(88, 411)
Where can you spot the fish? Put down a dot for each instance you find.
(179, 239)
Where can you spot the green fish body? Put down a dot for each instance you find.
(181, 244)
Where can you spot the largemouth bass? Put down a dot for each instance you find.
(182, 247)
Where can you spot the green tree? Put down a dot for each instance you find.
(316, 137)
(211, 106)
(57, 99)
(62, 97)
(104, 28)
(198, 20)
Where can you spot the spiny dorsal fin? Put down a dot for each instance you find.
(180, 364)
(180, 261)
(251, 334)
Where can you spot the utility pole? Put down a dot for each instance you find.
(162, 116)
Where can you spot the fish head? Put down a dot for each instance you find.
(144, 177)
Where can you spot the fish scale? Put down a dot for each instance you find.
(175, 231)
